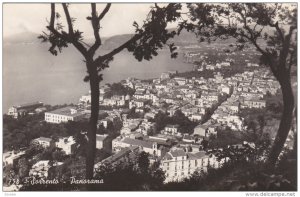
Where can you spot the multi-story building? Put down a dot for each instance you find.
(102, 142)
(64, 115)
(123, 156)
(11, 157)
(43, 141)
(172, 129)
(41, 168)
(17, 111)
(179, 164)
(114, 101)
(146, 127)
(138, 103)
(85, 98)
(254, 103)
(149, 147)
(67, 144)
(196, 117)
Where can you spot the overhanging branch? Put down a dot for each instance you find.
(69, 20)
(119, 49)
(276, 25)
(96, 25)
(52, 19)
(103, 13)
(65, 36)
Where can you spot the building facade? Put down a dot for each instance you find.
(17, 111)
(64, 115)
(179, 164)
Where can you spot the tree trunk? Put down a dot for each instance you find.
(91, 145)
(286, 119)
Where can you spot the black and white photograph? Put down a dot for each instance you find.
(156, 96)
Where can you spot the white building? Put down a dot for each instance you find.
(67, 144)
(172, 129)
(10, 156)
(178, 164)
(41, 168)
(254, 103)
(43, 141)
(102, 141)
(149, 147)
(114, 101)
(85, 98)
(17, 111)
(64, 115)
(195, 117)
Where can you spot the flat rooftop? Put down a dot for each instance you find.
(67, 111)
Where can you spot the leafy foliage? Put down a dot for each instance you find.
(18, 133)
(133, 175)
(185, 125)
(120, 90)
(153, 32)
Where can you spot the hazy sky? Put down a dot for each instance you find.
(32, 17)
(21, 17)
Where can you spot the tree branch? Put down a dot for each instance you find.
(69, 20)
(291, 61)
(70, 37)
(118, 49)
(263, 52)
(278, 30)
(52, 15)
(103, 13)
(253, 39)
(96, 26)
(285, 49)
(65, 36)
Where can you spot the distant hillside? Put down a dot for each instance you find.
(22, 38)
(115, 41)
(184, 38)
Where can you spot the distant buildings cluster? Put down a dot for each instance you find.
(212, 103)
(29, 108)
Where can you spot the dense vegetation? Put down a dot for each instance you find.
(18, 133)
(136, 174)
(241, 176)
(243, 171)
(185, 125)
(120, 90)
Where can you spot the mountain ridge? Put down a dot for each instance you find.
(108, 42)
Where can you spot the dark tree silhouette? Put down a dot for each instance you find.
(269, 27)
(148, 38)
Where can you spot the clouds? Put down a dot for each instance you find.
(31, 17)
